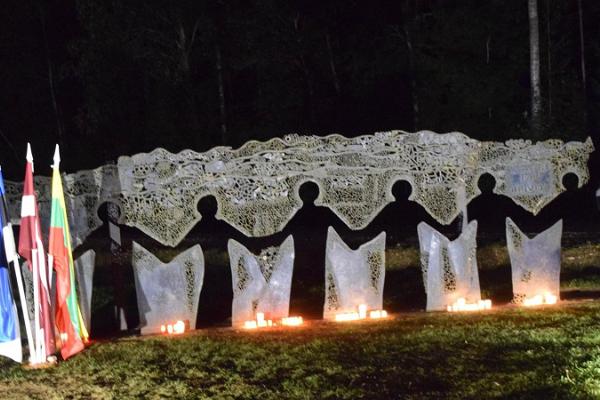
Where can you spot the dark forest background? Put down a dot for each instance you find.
(105, 78)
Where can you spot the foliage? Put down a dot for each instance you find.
(142, 74)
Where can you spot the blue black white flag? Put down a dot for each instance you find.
(10, 336)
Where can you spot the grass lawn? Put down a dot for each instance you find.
(543, 353)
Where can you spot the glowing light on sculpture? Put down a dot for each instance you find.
(362, 313)
(292, 321)
(167, 292)
(176, 328)
(539, 299)
(449, 267)
(348, 316)
(261, 283)
(535, 264)
(462, 305)
(353, 277)
(378, 314)
(258, 322)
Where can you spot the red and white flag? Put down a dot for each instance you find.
(32, 249)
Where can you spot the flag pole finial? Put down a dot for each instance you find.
(29, 156)
(56, 156)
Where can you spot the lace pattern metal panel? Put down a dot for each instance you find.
(353, 277)
(531, 174)
(84, 270)
(256, 186)
(85, 191)
(261, 283)
(167, 293)
(449, 267)
(535, 262)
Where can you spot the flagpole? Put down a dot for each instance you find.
(36, 302)
(41, 279)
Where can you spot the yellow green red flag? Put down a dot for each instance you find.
(68, 315)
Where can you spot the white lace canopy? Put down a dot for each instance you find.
(256, 186)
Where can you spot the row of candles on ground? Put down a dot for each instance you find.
(363, 313)
(261, 322)
(462, 305)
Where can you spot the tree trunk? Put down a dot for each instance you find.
(534, 60)
(582, 61)
(55, 107)
(184, 47)
(549, 64)
(413, 80)
(305, 73)
(334, 75)
(221, 87)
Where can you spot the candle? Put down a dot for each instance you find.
(292, 321)
(362, 311)
(376, 314)
(546, 298)
(462, 305)
(351, 316)
(250, 325)
(259, 322)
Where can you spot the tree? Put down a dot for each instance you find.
(534, 60)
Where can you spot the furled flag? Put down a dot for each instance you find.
(68, 316)
(10, 337)
(32, 249)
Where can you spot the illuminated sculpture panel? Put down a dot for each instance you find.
(84, 269)
(167, 292)
(449, 267)
(85, 191)
(353, 277)
(256, 186)
(261, 283)
(535, 262)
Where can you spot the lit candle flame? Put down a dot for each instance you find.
(362, 311)
(377, 314)
(259, 322)
(173, 329)
(292, 321)
(462, 305)
(361, 314)
(546, 298)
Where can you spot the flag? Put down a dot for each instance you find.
(10, 336)
(31, 248)
(68, 316)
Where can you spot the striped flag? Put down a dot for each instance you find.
(10, 336)
(32, 249)
(68, 316)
